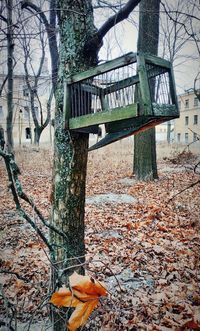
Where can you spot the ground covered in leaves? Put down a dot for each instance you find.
(147, 250)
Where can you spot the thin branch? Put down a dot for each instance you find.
(51, 33)
(11, 176)
(122, 14)
(17, 191)
(95, 42)
(4, 271)
(183, 190)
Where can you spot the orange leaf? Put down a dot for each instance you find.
(84, 296)
(64, 298)
(81, 314)
(87, 285)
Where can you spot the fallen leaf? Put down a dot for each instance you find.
(83, 295)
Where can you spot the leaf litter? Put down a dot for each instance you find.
(147, 252)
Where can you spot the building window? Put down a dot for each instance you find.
(186, 120)
(186, 138)
(28, 133)
(195, 119)
(26, 113)
(195, 136)
(1, 112)
(178, 137)
(25, 91)
(187, 103)
(195, 102)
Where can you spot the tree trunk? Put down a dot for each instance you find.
(145, 165)
(70, 150)
(169, 126)
(37, 134)
(10, 51)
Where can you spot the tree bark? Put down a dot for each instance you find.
(10, 52)
(70, 150)
(145, 165)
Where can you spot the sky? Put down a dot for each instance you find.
(123, 39)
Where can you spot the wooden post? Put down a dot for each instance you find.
(144, 86)
(172, 88)
(66, 106)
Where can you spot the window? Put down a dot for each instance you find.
(1, 111)
(28, 133)
(195, 119)
(186, 120)
(186, 138)
(195, 102)
(178, 137)
(26, 112)
(187, 103)
(195, 136)
(25, 91)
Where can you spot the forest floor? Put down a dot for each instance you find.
(142, 240)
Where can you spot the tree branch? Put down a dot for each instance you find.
(17, 191)
(183, 190)
(8, 158)
(51, 33)
(122, 14)
(95, 42)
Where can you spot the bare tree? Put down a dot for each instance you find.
(145, 165)
(80, 42)
(35, 77)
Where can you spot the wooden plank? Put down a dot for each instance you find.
(121, 84)
(128, 82)
(135, 122)
(93, 89)
(156, 60)
(165, 110)
(145, 101)
(107, 116)
(94, 129)
(172, 87)
(66, 106)
(115, 136)
(104, 103)
(105, 67)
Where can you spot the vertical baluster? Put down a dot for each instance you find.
(71, 101)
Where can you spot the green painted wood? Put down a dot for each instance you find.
(115, 136)
(165, 110)
(107, 116)
(94, 129)
(145, 101)
(156, 60)
(105, 67)
(104, 104)
(93, 89)
(121, 84)
(172, 87)
(135, 122)
(66, 106)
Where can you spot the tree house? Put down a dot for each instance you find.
(128, 94)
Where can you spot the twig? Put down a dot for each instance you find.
(23, 195)
(4, 271)
(12, 171)
(183, 190)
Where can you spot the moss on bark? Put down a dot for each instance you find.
(71, 149)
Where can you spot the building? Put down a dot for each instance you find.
(23, 126)
(187, 127)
